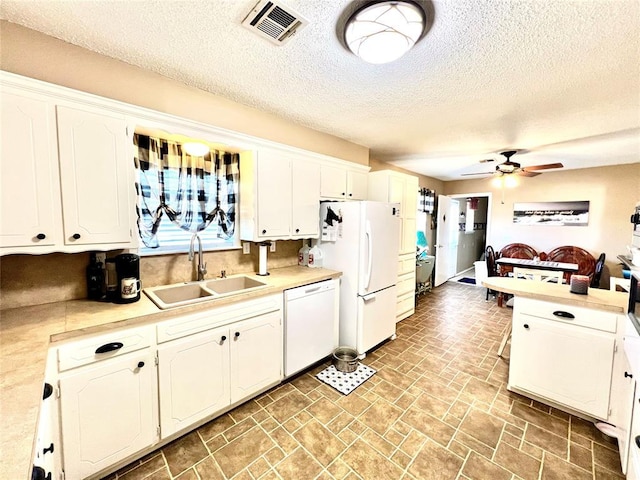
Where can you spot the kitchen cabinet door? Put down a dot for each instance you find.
(95, 173)
(274, 195)
(193, 377)
(30, 203)
(357, 185)
(256, 355)
(306, 198)
(108, 411)
(565, 363)
(333, 182)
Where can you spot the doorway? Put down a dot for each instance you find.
(467, 241)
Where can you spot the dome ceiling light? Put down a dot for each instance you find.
(383, 31)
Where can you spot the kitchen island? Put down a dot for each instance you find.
(27, 333)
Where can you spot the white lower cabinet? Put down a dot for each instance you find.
(561, 353)
(256, 355)
(204, 373)
(197, 363)
(108, 412)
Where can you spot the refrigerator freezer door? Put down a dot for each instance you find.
(376, 318)
(379, 247)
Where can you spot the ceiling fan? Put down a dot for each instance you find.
(510, 168)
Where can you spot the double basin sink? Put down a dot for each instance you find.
(180, 294)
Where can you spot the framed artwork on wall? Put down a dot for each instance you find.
(557, 214)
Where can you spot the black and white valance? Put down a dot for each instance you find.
(194, 192)
(426, 200)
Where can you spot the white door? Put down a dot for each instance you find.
(274, 195)
(446, 239)
(95, 172)
(256, 355)
(376, 318)
(108, 412)
(28, 172)
(306, 198)
(193, 377)
(379, 247)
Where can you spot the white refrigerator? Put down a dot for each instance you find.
(362, 240)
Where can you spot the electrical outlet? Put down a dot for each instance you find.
(272, 248)
(246, 248)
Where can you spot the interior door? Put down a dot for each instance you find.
(446, 239)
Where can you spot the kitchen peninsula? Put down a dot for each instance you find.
(27, 333)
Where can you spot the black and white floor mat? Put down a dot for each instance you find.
(346, 383)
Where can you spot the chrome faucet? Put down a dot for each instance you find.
(202, 267)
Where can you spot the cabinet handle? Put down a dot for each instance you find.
(237, 334)
(526, 326)
(297, 230)
(562, 314)
(41, 236)
(49, 449)
(351, 194)
(628, 375)
(264, 231)
(76, 236)
(140, 364)
(222, 339)
(638, 441)
(110, 347)
(343, 194)
(47, 391)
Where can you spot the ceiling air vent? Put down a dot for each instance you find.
(274, 21)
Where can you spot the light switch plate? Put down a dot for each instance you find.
(246, 248)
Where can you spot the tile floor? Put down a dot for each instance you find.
(437, 408)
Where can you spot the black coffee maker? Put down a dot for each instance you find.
(128, 272)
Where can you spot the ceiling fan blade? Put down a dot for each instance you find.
(477, 173)
(534, 168)
(525, 173)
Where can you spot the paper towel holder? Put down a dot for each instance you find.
(262, 262)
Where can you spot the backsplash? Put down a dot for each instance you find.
(37, 279)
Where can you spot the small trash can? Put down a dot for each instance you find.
(481, 271)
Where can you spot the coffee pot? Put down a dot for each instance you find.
(128, 273)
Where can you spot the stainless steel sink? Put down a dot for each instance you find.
(180, 294)
(240, 283)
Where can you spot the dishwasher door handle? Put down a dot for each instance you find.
(311, 290)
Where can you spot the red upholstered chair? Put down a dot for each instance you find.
(515, 250)
(570, 254)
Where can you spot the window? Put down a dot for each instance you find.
(179, 194)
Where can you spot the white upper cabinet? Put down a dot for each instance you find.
(29, 212)
(66, 175)
(94, 176)
(279, 196)
(341, 182)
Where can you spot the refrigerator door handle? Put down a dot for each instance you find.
(369, 297)
(369, 254)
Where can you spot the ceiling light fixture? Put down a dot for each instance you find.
(383, 31)
(195, 149)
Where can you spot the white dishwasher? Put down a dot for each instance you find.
(310, 324)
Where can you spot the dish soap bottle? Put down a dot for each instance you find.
(303, 255)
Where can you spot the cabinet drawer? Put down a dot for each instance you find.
(406, 284)
(585, 317)
(406, 264)
(84, 352)
(201, 321)
(406, 303)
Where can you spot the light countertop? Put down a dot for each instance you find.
(600, 299)
(26, 334)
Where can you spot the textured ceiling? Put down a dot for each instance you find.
(558, 78)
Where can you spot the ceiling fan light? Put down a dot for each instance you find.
(382, 32)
